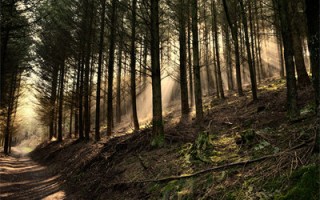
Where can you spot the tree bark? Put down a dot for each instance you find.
(81, 135)
(53, 97)
(118, 98)
(61, 98)
(234, 34)
(183, 59)
(76, 117)
(250, 61)
(196, 65)
(111, 67)
(133, 67)
(10, 106)
(216, 40)
(98, 95)
(312, 13)
(292, 108)
(228, 58)
(189, 58)
(303, 77)
(157, 123)
(87, 71)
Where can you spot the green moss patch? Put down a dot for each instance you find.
(304, 184)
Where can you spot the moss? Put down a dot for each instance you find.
(202, 148)
(176, 189)
(304, 184)
(247, 137)
(158, 141)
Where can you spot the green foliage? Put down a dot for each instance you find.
(176, 189)
(261, 145)
(305, 184)
(310, 108)
(202, 149)
(157, 141)
(250, 190)
(247, 136)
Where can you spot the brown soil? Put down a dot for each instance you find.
(23, 178)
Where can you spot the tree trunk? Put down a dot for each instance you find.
(228, 58)
(234, 34)
(87, 72)
(157, 123)
(72, 102)
(98, 95)
(303, 78)
(216, 39)
(118, 98)
(53, 97)
(81, 136)
(215, 69)
(292, 108)
(133, 67)
(312, 13)
(206, 50)
(76, 116)
(111, 67)
(252, 38)
(189, 58)
(7, 133)
(250, 61)
(183, 59)
(196, 65)
(61, 95)
(145, 56)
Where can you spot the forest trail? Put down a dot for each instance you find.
(22, 178)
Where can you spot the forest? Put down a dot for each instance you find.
(160, 99)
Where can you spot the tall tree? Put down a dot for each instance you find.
(61, 98)
(89, 10)
(133, 66)
(183, 58)
(292, 107)
(112, 40)
(217, 46)
(189, 57)
(249, 56)
(312, 13)
(196, 64)
(157, 123)
(14, 50)
(53, 97)
(101, 44)
(234, 34)
(228, 58)
(303, 77)
(118, 97)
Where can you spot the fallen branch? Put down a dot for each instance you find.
(170, 178)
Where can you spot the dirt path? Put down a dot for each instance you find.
(22, 178)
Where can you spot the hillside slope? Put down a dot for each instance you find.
(242, 150)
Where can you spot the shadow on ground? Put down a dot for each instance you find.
(22, 178)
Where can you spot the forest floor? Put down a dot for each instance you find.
(23, 178)
(241, 150)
